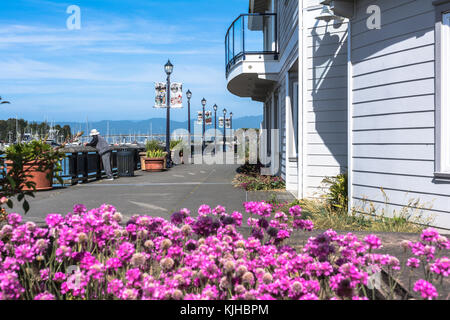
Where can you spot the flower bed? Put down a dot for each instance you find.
(249, 178)
(90, 255)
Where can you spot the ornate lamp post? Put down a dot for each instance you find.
(203, 135)
(189, 96)
(215, 127)
(168, 68)
(224, 129)
(231, 131)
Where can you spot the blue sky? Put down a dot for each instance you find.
(107, 70)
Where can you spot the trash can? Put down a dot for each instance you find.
(125, 162)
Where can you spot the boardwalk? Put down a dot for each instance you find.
(155, 194)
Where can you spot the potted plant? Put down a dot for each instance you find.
(154, 160)
(39, 161)
(151, 145)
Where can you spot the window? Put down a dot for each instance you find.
(443, 97)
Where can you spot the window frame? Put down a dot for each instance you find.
(442, 146)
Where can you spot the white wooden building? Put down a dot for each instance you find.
(365, 91)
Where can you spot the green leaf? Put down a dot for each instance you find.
(10, 204)
(11, 182)
(26, 206)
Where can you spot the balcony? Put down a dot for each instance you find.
(251, 55)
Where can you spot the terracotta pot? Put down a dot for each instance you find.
(43, 180)
(154, 164)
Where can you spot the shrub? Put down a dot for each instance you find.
(259, 183)
(153, 145)
(249, 178)
(176, 143)
(155, 154)
(337, 195)
(12, 182)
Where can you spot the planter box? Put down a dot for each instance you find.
(43, 180)
(154, 164)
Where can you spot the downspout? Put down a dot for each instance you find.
(301, 128)
(350, 115)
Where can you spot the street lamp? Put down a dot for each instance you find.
(215, 127)
(189, 96)
(168, 68)
(231, 131)
(203, 136)
(224, 129)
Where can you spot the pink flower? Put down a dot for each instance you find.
(54, 220)
(413, 263)
(204, 210)
(426, 289)
(44, 273)
(295, 211)
(113, 263)
(430, 235)
(373, 242)
(44, 296)
(237, 216)
(441, 267)
(14, 219)
(59, 277)
(125, 251)
(115, 286)
(306, 225)
(10, 287)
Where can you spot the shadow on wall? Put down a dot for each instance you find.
(329, 90)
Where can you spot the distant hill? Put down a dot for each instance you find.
(156, 125)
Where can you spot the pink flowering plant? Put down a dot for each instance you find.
(90, 254)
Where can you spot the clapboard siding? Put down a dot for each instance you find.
(396, 59)
(433, 201)
(404, 152)
(400, 73)
(394, 108)
(325, 102)
(418, 103)
(287, 22)
(423, 119)
(398, 136)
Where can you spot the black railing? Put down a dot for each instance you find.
(83, 164)
(251, 33)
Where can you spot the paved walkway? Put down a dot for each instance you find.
(151, 193)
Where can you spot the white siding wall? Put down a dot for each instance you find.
(393, 111)
(324, 99)
(287, 22)
(287, 12)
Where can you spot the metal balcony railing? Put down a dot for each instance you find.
(252, 33)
